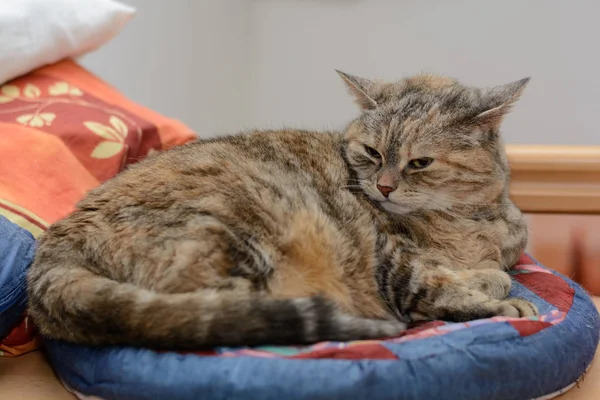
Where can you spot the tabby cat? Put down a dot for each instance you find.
(291, 236)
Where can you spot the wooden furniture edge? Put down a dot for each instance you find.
(555, 179)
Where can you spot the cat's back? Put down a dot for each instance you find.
(279, 153)
(256, 177)
(221, 164)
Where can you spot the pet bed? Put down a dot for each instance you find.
(497, 358)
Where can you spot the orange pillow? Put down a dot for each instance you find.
(63, 131)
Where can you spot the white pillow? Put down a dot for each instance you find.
(34, 33)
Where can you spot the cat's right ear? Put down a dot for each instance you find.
(499, 101)
(359, 88)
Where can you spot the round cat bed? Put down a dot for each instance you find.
(497, 358)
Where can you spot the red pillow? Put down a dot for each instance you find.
(63, 131)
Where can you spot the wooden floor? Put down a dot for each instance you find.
(30, 378)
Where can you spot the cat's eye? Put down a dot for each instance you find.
(420, 163)
(372, 152)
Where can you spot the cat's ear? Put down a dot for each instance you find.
(360, 88)
(499, 101)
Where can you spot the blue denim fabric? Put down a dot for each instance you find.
(490, 362)
(17, 247)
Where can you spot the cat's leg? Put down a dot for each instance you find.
(422, 290)
(446, 295)
(492, 282)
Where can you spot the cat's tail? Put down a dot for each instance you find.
(77, 305)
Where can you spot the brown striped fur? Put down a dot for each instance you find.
(284, 236)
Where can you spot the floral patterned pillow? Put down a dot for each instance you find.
(92, 119)
(64, 131)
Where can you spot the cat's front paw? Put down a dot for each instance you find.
(517, 308)
(491, 282)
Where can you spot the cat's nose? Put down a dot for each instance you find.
(386, 183)
(385, 190)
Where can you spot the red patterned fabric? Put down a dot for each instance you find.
(21, 340)
(550, 288)
(367, 351)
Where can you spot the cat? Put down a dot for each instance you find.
(291, 237)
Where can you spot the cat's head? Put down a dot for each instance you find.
(429, 143)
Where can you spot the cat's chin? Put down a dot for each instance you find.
(395, 208)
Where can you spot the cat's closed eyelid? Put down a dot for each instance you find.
(364, 161)
(371, 150)
(372, 154)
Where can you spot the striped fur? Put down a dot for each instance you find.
(283, 237)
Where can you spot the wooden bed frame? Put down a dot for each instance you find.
(555, 179)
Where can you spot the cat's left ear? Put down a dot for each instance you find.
(360, 88)
(499, 101)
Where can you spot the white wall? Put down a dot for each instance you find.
(187, 59)
(299, 43)
(222, 65)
